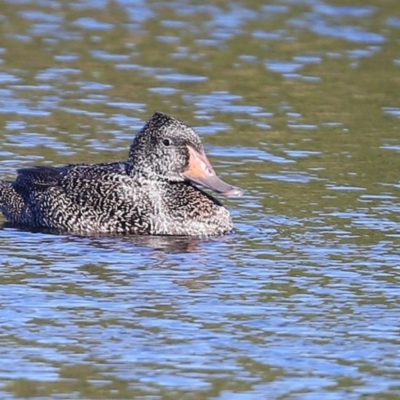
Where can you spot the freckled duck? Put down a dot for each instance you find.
(151, 193)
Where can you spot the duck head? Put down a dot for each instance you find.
(167, 149)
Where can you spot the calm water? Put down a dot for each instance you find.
(297, 103)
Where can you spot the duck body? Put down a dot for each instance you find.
(150, 194)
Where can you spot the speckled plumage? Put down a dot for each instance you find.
(147, 194)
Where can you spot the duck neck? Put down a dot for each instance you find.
(139, 162)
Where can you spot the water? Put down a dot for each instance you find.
(296, 103)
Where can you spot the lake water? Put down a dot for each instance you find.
(297, 103)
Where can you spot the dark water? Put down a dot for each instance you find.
(298, 104)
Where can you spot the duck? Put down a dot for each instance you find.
(153, 192)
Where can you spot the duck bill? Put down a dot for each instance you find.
(200, 171)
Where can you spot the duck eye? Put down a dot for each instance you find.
(166, 142)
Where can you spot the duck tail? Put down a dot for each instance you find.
(11, 202)
(4, 187)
